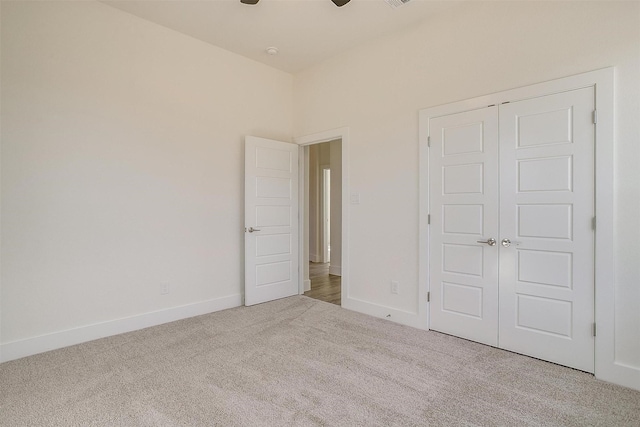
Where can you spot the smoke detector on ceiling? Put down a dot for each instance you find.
(396, 3)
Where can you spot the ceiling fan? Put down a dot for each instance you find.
(338, 3)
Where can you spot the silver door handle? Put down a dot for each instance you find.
(490, 242)
(506, 243)
(251, 229)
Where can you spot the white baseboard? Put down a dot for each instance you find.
(616, 373)
(336, 270)
(621, 374)
(31, 346)
(376, 310)
(307, 285)
(315, 258)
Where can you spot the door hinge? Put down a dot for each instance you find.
(593, 223)
(429, 141)
(595, 116)
(429, 219)
(428, 296)
(594, 330)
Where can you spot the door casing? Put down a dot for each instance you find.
(317, 138)
(325, 171)
(603, 83)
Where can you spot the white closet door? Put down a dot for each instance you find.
(546, 211)
(463, 274)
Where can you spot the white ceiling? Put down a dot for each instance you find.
(305, 31)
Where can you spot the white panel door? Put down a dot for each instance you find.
(546, 211)
(463, 189)
(271, 220)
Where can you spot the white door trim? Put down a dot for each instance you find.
(317, 138)
(325, 214)
(602, 81)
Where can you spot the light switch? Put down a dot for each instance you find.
(355, 198)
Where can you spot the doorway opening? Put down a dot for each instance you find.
(323, 235)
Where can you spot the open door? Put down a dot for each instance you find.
(271, 220)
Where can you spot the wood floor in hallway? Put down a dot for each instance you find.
(324, 286)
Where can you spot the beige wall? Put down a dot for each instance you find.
(315, 204)
(0, 184)
(325, 154)
(473, 49)
(335, 162)
(122, 165)
(318, 157)
(122, 150)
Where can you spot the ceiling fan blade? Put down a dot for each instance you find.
(340, 3)
(249, 1)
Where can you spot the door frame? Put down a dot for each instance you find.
(325, 215)
(602, 81)
(304, 141)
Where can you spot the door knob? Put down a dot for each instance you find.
(490, 242)
(506, 242)
(251, 229)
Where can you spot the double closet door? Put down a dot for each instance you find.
(511, 234)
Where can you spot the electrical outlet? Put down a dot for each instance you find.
(164, 288)
(395, 287)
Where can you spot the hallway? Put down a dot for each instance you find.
(324, 286)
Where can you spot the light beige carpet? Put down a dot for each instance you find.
(299, 361)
